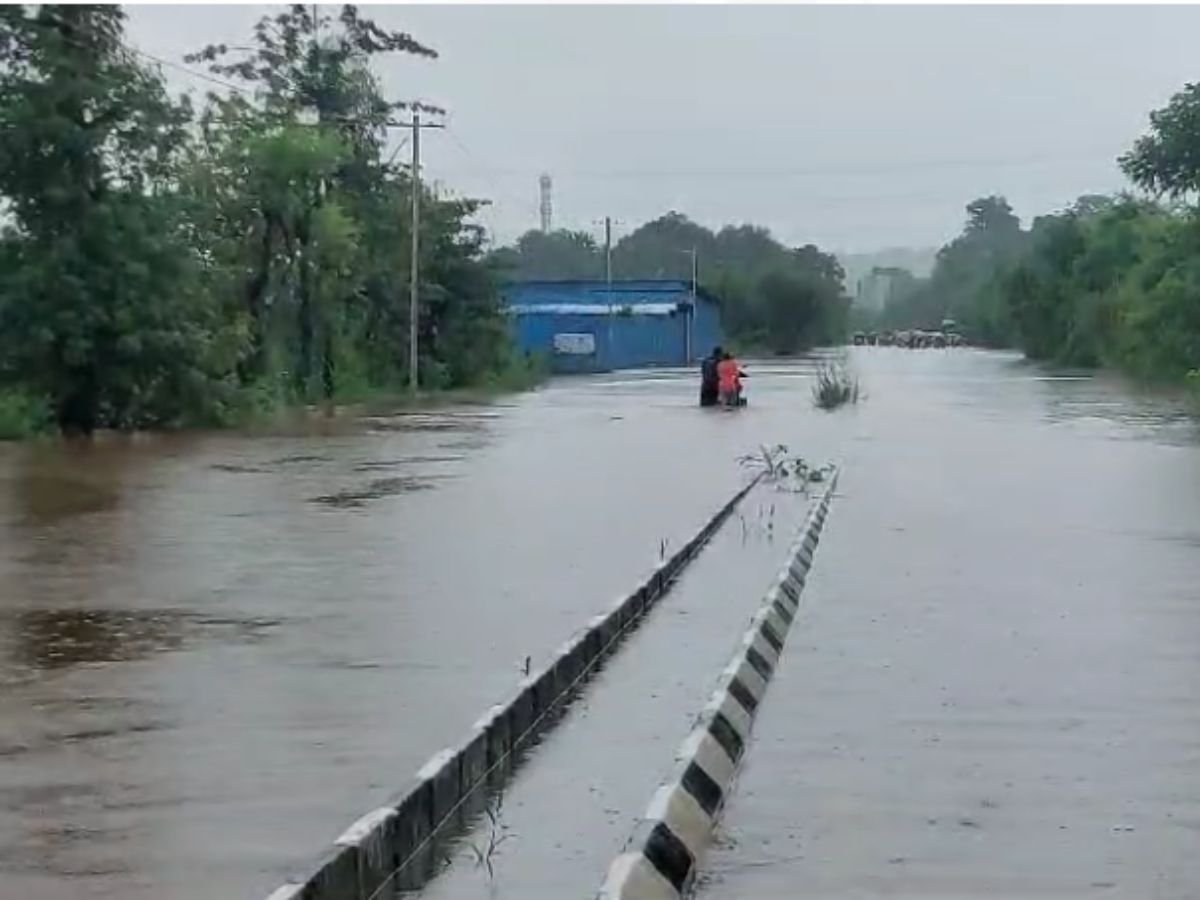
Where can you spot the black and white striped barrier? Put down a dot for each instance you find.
(379, 852)
(661, 858)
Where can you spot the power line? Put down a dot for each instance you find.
(396, 152)
(127, 46)
(193, 72)
(803, 172)
(486, 171)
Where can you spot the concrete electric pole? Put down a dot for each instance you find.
(608, 280)
(692, 313)
(414, 275)
(414, 360)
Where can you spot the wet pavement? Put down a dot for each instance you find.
(991, 689)
(217, 651)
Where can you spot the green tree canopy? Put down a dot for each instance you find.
(99, 308)
(1167, 160)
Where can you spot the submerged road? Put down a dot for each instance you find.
(217, 651)
(992, 688)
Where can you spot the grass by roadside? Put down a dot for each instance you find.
(266, 408)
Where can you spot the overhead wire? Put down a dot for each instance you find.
(488, 173)
(130, 47)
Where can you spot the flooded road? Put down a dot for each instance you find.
(571, 807)
(218, 651)
(992, 688)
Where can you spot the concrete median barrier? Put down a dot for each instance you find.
(662, 855)
(383, 849)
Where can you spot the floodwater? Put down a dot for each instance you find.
(992, 687)
(570, 809)
(217, 651)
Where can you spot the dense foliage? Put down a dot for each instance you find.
(1108, 281)
(772, 297)
(958, 286)
(163, 267)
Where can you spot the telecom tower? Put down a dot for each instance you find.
(545, 207)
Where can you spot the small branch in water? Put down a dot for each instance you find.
(498, 833)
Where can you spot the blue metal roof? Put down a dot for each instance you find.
(592, 292)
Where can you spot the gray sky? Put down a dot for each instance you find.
(852, 127)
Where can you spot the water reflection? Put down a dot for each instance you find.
(60, 638)
(356, 498)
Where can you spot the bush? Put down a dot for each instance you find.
(22, 416)
(520, 372)
(835, 387)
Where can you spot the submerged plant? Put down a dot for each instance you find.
(834, 387)
(787, 472)
(498, 833)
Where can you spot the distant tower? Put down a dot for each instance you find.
(545, 207)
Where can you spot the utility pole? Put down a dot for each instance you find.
(413, 280)
(691, 315)
(414, 306)
(608, 280)
(692, 312)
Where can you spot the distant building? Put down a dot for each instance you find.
(881, 286)
(581, 327)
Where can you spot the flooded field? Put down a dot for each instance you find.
(216, 651)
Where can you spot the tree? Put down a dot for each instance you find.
(1039, 288)
(314, 219)
(303, 64)
(552, 255)
(100, 310)
(1167, 160)
(958, 287)
(661, 248)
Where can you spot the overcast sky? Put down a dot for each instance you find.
(852, 127)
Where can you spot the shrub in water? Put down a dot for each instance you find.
(835, 387)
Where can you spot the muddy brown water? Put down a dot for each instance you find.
(216, 651)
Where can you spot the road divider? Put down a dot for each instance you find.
(390, 848)
(661, 857)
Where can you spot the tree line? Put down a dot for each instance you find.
(772, 298)
(166, 264)
(1108, 281)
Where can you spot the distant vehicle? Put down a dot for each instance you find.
(859, 339)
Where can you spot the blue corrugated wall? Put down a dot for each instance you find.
(621, 341)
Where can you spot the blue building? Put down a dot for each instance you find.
(581, 326)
